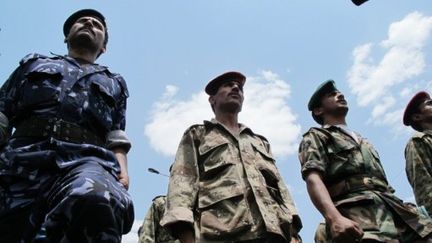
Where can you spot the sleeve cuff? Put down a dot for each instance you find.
(311, 165)
(175, 215)
(118, 138)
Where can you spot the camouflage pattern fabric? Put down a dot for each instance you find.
(229, 187)
(57, 191)
(382, 216)
(320, 233)
(418, 155)
(151, 231)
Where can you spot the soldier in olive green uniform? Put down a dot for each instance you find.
(224, 184)
(151, 231)
(347, 183)
(418, 152)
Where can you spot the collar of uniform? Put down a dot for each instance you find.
(327, 126)
(421, 134)
(76, 63)
(213, 122)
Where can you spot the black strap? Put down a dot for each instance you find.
(58, 129)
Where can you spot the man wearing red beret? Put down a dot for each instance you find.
(224, 184)
(418, 151)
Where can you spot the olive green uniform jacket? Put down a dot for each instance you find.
(356, 181)
(228, 187)
(151, 231)
(418, 155)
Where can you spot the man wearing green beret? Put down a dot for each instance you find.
(224, 184)
(347, 183)
(418, 151)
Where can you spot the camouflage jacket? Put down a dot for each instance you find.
(151, 231)
(418, 155)
(228, 186)
(343, 161)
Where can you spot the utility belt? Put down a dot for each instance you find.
(358, 183)
(58, 129)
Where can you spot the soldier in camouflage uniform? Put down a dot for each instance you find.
(63, 175)
(224, 184)
(418, 151)
(151, 231)
(347, 183)
(320, 233)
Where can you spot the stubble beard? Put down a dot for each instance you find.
(338, 111)
(231, 107)
(82, 41)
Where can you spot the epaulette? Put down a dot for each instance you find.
(31, 56)
(418, 134)
(160, 196)
(194, 127)
(122, 82)
(263, 139)
(320, 131)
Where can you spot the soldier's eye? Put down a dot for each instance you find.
(97, 24)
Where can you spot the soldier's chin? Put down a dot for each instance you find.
(83, 42)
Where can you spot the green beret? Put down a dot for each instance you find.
(213, 86)
(413, 105)
(324, 88)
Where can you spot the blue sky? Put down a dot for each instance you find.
(378, 54)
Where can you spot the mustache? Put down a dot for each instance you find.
(86, 27)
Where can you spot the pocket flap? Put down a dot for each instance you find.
(211, 144)
(262, 150)
(214, 195)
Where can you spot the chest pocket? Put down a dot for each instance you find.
(344, 159)
(223, 211)
(40, 89)
(102, 100)
(266, 165)
(219, 178)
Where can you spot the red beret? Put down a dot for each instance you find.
(413, 105)
(213, 86)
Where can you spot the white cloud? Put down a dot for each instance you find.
(387, 85)
(132, 236)
(265, 111)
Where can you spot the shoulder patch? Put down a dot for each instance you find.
(30, 57)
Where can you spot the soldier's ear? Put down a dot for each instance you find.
(211, 100)
(317, 111)
(416, 117)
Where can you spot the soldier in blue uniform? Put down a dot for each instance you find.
(63, 166)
